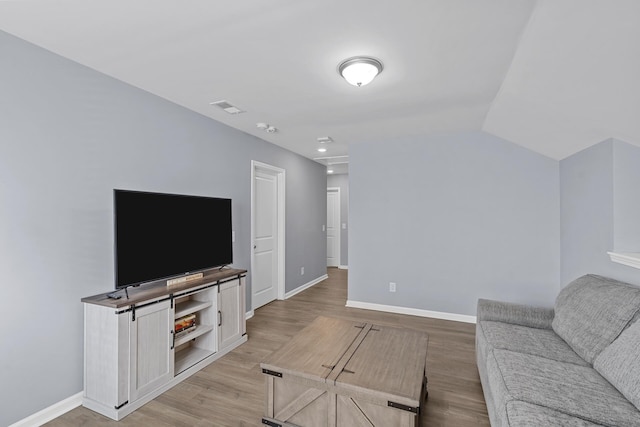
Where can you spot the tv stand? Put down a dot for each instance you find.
(132, 350)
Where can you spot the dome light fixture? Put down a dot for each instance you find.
(360, 70)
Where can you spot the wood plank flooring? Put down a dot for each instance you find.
(230, 392)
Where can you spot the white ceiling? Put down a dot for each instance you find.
(555, 76)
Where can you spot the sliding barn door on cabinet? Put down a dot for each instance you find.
(231, 313)
(151, 354)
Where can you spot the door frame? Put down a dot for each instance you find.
(280, 203)
(339, 234)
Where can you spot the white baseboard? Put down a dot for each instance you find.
(249, 314)
(305, 286)
(412, 311)
(53, 411)
(343, 267)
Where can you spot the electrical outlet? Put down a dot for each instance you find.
(302, 271)
(392, 286)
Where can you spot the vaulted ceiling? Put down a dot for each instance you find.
(555, 76)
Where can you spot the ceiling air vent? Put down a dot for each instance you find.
(231, 109)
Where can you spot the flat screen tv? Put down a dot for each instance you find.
(160, 236)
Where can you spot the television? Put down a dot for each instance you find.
(160, 236)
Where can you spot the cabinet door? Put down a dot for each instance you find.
(230, 319)
(151, 363)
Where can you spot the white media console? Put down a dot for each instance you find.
(131, 351)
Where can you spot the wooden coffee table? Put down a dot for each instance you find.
(341, 373)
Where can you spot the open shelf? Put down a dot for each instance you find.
(191, 306)
(188, 357)
(199, 330)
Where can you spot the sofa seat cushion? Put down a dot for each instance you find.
(620, 364)
(578, 391)
(538, 342)
(592, 311)
(527, 414)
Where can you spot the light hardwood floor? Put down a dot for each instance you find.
(230, 392)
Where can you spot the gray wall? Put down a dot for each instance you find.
(600, 207)
(68, 136)
(626, 213)
(306, 213)
(451, 218)
(342, 181)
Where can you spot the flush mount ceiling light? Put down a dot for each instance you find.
(322, 150)
(360, 70)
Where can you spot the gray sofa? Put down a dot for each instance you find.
(577, 364)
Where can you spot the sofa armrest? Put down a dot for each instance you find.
(507, 312)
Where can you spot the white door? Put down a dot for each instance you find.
(266, 264)
(333, 227)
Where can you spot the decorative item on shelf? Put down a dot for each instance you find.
(185, 322)
(184, 279)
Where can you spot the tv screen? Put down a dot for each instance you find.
(160, 235)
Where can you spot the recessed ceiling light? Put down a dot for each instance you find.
(360, 70)
(322, 150)
(329, 170)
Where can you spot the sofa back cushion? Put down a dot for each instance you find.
(592, 311)
(619, 363)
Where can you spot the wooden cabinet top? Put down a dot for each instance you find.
(160, 289)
